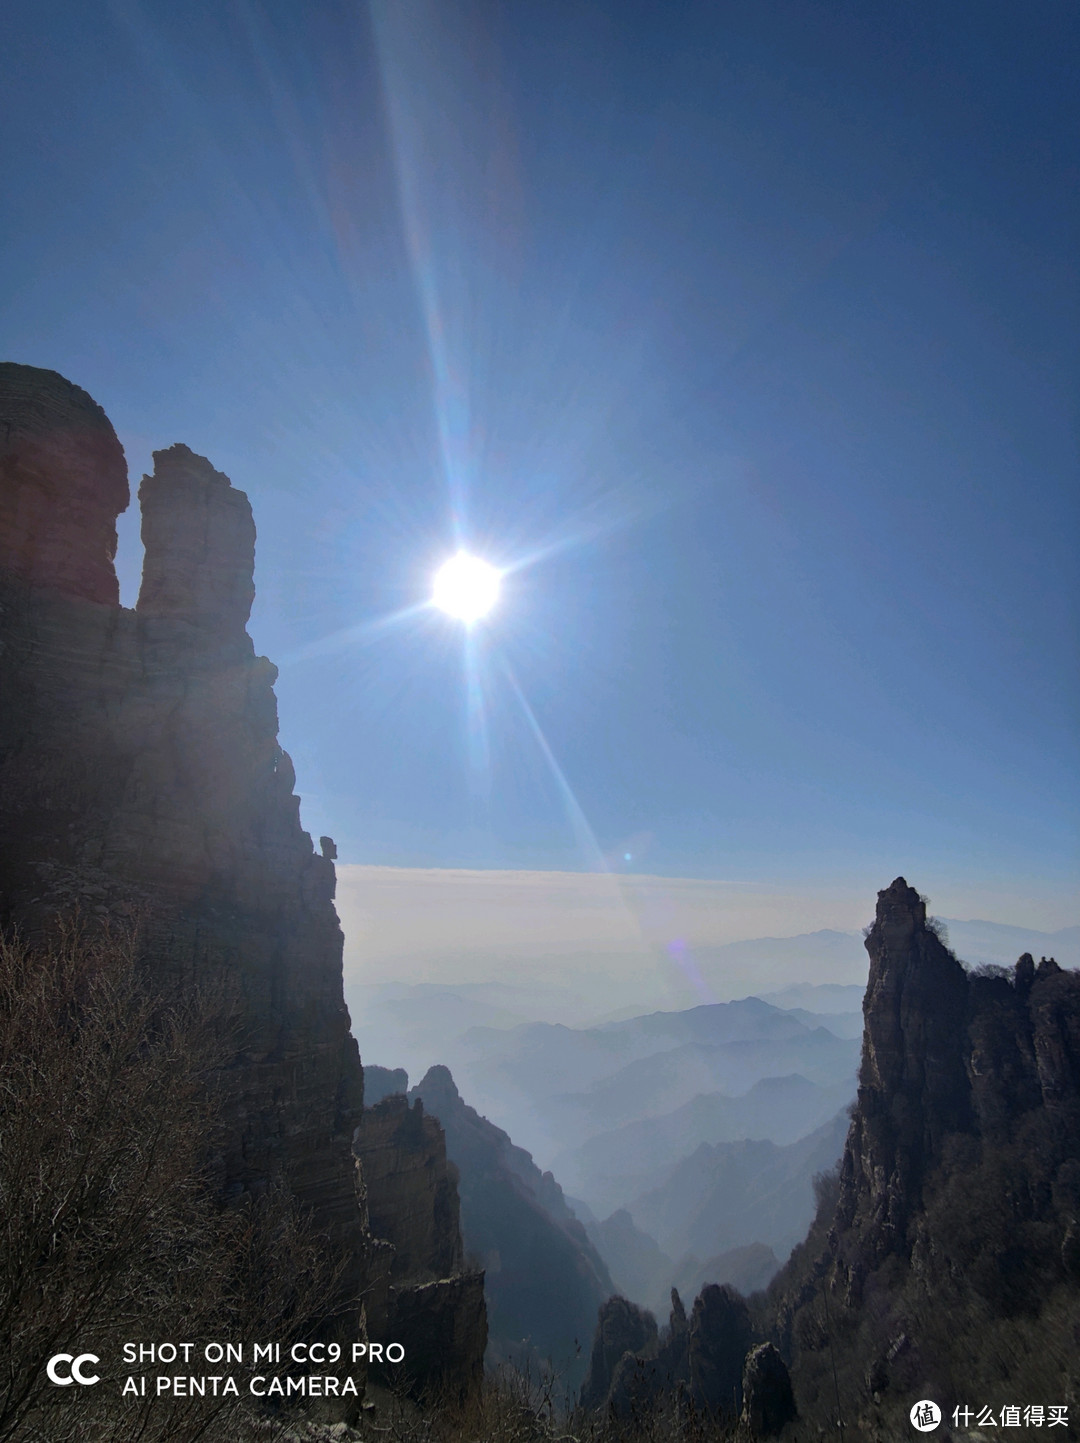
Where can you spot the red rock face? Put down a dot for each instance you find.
(63, 482)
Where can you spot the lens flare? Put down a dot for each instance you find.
(466, 587)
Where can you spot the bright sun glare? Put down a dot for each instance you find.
(466, 587)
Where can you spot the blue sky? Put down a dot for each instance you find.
(751, 327)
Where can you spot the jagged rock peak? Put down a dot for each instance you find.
(199, 537)
(913, 1086)
(622, 1329)
(959, 1186)
(768, 1402)
(179, 463)
(63, 482)
(901, 905)
(438, 1083)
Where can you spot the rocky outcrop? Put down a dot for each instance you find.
(380, 1082)
(699, 1360)
(199, 537)
(421, 1295)
(141, 777)
(622, 1330)
(943, 1259)
(442, 1326)
(768, 1402)
(939, 1263)
(718, 1338)
(947, 1055)
(141, 782)
(411, 1189)
(544, 1279)
(913, 1085)
(63, 482)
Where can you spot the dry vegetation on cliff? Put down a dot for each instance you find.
(111, 1227)
(516, 1407)
(944, 1261)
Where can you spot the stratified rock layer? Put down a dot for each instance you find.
(141, 777)
(412, 1189)
(199, 536)
(420, 1296)
(141, 782)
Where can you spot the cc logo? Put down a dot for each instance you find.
(75, 1373)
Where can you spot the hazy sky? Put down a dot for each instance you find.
(608, 941)
(747, 333)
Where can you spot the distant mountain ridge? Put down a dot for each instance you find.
(725, 1195)
(417, 1025)
(557, 1086)
(610, 1168)
(645, 1274)
(999, 944)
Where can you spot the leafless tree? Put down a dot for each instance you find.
(111, 1229)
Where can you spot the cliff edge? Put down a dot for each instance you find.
(944, 1261)
(141, 781)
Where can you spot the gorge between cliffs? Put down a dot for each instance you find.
(191, 1142)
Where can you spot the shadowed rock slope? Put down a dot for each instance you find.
(544, 1279)
(141, 781)
(420, 1292)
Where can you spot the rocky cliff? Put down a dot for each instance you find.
(944, 1261)
(697, 1362)
(544, 1279)
(421, 1294)
(141, 779)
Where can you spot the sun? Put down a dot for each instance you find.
(466, 587)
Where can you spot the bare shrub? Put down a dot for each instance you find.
(110, 1226)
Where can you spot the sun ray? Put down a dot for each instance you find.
(476, 720)
(361, 633)
(583, 832)
(450, 391)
